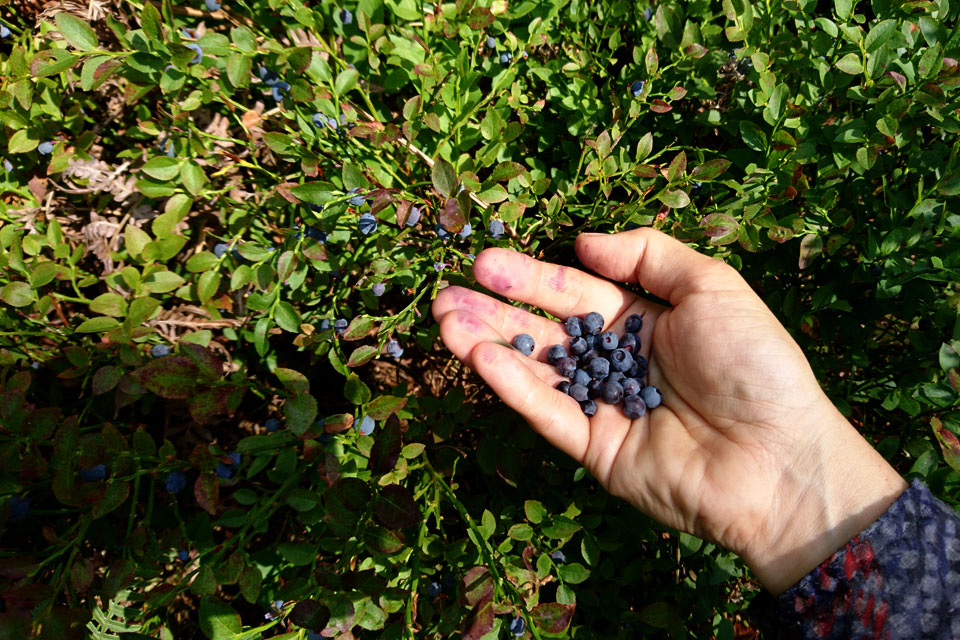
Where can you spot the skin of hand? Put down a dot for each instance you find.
(746, 449)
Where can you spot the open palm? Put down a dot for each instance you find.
(742, 415)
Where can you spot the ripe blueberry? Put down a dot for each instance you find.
(651, 397)
(620, 360)
(366, 426)
(581, 377)
(268, 77)
(491, 42)
(212, 5)
(434, 589)
(524, 344)
(589, 408)
(442, 232)
(45, 148)
(19, 509)
(505, 58)
(574, 326)
(637, 88)
(339, 326)
(633, 323)
(175, 481)
(183, 556)
(647, 14)
(4, 31)
(612, 392)
(228, 469)
(642, 367)
(356, 201)
(272, 424)
(394, 350)
(616, 376)
(7, 165)
(518, 626)
(563, 386)
(579, 392)
(280, 91)
(599, 368)
(367, 224)
(196, 48)
(555, 354)
(439, 266)
(629, 342)
(609, 340)
(593, 323)
(346, 17)
(160, 350)
(578, 346)
(596, 388)
(466, 232)
(631, 386)
(317, 234)
(588, 356)
(94, 473)
(413, 217)
(220, 248)
(496, 229)
(633, 407)
(378, 289)
(591, 341)
(558, 557)
(566, 367)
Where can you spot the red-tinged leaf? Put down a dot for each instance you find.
(949, 443)
(27, 596)
(207, 492)
(115, 495)
(477, 586)
(383, 407)
(696, 50)
(210, 365)
(353, 493)
(780, 234)
(121, 573)
(312, 249)
(293, 380)
(81, 574)
(361, 355)
(506, 171)
(382, 198)
(675, 198)
(395, 507)
(383, 540)
(678, 167)
(452, 216)
(444, 179)
(657, 615)
(18, 382)
(898, 78)
(710, 169)
(953, 376)
(284, 191)
(512, 211)
(43, 422)
(677, 93)
(480, 621)
(810, 247)
(173, 377)
(386, 448)
(338, 423)
(716, 225)
(480, 18)
(208, 402)
(646, 171)
(310, 614)
(403, 211)
(358, 328)
(553, 617)
(16, 567)
(659, 106)
(300, 411)
(105, 379)
(365, 129)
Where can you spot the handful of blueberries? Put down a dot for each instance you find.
(599, 364)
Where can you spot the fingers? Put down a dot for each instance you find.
(561, 291)
(554, 415)
(666, 267)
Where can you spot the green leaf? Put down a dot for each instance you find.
(850, 63)
(162, 281)
(948, 357)
(300, 411)
(356, 391)
(753, 135)
(22, 141)
(385, 406)
(114, 496)
(346, 81)
(293, 380)
(76, 32)
(162, 168)
(244, 39)
(362, 355)
(506, 171)
(879, 34)
(239, 67)
(931, 61)
(444, 177)
(207, 285)
(574, 573)
(17, 294)
(97, 325)
(710, 170)
(675, 198)
(151, 22)
(109, 304)
(193, 177)
(534, 511)
(298, 554)
(218, 620)
(287, 317)
(135, 239)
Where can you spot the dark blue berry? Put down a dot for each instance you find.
(280, 91)
(4, 31)
(212, 5)
(367, 426)
(45, 148)
(631, 386)
(633, 407)
(378, 289)
(588, 356)
(491, 42)
(505, 58)
(228, 469)
(183, 556)
(581, 377)
(651, 397)
(592, 341)
(579, 392)
(620, 360)
(19, 509)
(356, 201)
(876, 270)
(609, 340)
(566, 367)
(555, 354)
(317, 234)
(558, 557)
(367, 224)
(637, 88)
(642, 365)
(272, 424)
(524, 344)
(268, 77)
(442, 232)
(196, 48)
(95, 473)
(518, 626)
(578, 346)
(346, 17)
(339, 326)
(589, 408)
(647, 14)
(176, 481)
(599, 368)
(574, 326)
(563, 386)
(596, 388)
(413, 217)
(434, 589)
(220, 248)
(394, 350)
(633, 323)
(629, 342)
(696, 189)
(160, 350)
(616, 376)
(612, 392)
(466, 232)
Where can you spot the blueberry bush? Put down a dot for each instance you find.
(224, 408)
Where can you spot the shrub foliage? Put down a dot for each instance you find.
(192, 196)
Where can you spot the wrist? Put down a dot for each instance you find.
(836, 488)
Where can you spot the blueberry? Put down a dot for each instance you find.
(278, 604)
(647, 14)
(176, 481)
(599, 368)
(642, 365)
(578, 346)
(220, 248)
(505, 58)
(413, 217)
(466, 232)
(4, 31)
(268, 77)
(629, 342)
(171, 152)
(491, 42)
(876, 270)
(591, 341)
(280, 91)
(518, 626)
(272, 424)
(7, 165)
(633, 323)
(581, 377)
(356, 201)
(45, 148)
(696, 189)
(589, 408)
(212, 5)
(566, 367)
(378, 289)
(558, 557)
(339, 326)
(620, 360)
(317, 234)
(612, 392)
(593, 323)
(524, 344)
(442, 232)
(19, 509)
(496, 229)
(160, 350)
(367, 224)
(555, 354)
(616, 376)
(196, 48)
(94, 473)
(609, 340)
(596, 388)
(631, 386)
(563, 386)
(651, 397)
(183, 555)
(633, 407)
(574, 327)
(366, 426)
(637, 88)
(434, 589)
(346, 17)
(228, 469)
(319, 120)
(588, 356)
(394, 349)
(579, 392)
(324, 324)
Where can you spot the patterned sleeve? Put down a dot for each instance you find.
(899, 578)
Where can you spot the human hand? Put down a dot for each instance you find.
(746, 450)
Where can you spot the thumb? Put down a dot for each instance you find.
(665, 267)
